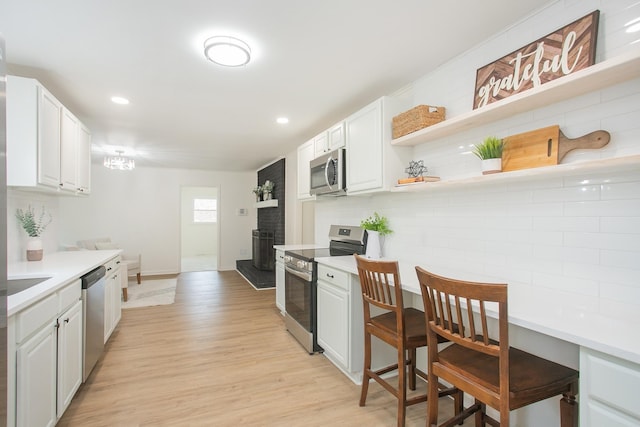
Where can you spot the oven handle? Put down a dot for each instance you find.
(304, 276)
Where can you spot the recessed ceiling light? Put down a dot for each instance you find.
(227, 51)
(119, 100)
(282, 120)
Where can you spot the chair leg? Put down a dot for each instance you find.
(568, 410)
(412, 369)
(366, 368)
(402, 386)
(432, 400)
(125, 296)
(479, 418)
(139, 278)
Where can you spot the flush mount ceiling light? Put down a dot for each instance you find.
(119, 162)
(119, 100)
(282, 120)
(227, 51)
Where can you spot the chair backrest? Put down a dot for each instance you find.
(380, 284)
(446, 303)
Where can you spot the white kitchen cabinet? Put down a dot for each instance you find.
(69, 129)
(69, 356)
(84, 160)
(340, 320)
(305, 155)
(47, 340)
(112, 297)
(42, 139)
(373, 164)
(321, 144)
(336, 138)
(607, 390)
(280, 281)
(36, 380)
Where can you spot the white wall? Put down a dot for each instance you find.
(140, 210)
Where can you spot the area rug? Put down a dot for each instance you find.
(151, 292)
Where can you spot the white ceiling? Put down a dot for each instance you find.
(313, 61)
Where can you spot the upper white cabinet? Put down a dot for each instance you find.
(373, 164)
(43, 140)
(83, 167)
(305, 155)
(329, 140)
(321, 144)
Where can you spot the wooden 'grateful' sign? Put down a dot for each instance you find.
(562, 52)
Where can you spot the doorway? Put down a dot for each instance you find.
(199, 229)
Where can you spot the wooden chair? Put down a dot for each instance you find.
(402, 328)
(495, 374)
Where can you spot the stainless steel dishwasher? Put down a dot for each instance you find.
(93, 284)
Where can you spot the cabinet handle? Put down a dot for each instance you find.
(66, 320)
(330, 276)
(109, 269)
(117, 262)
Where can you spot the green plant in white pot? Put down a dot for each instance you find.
(377, 227)
(34, 226)
(490, 152)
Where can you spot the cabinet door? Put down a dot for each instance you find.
(108, 307)
(336, 137)
(68, 150)
(364, 148)
(116, 307)
(280, 285)
(49, 112)
(69, 355)
(333, 322)
(321, 144)
(84, 160)
(305, 155)
(36, 379)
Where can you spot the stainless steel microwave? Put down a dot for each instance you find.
(327, 174)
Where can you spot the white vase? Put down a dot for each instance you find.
(491, 166)
(374, 247)
(34, 249)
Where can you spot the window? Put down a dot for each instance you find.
(205, 210)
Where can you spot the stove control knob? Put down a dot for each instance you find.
(302, 265)
(287, 258)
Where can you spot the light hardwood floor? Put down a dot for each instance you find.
(220, 356)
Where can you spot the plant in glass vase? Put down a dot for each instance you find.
(258, 192)
(34, 226)
(377, 227)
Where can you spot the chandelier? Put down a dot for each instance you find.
(119, 162)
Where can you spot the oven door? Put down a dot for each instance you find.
(300, 307)
(298, 298)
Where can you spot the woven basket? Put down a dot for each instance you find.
(415, 119)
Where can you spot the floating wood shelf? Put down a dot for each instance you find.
(616, 163)
(598, 76)
(273, 203)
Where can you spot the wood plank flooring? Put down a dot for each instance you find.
(221, 356)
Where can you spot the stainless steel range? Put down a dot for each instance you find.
(301, 273)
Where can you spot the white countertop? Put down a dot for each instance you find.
(542, 310)
(297, 247)
(61, 267)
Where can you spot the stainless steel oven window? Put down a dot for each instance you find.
(298, 299)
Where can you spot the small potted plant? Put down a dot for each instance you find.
(490, 152)
(377, 227)
(34, 228)
(267, 189)
(258, 192)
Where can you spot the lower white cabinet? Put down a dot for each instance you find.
(46, 339)
(69, 355)
(36, 379)
(340, 321)
(112, 297)
(280, 281)
(608, 388)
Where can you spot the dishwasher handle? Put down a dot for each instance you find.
(93, 277)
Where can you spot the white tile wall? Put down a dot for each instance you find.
(578, 234)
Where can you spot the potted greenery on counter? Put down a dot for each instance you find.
(377, 227)
(490, 152)
(34, 226)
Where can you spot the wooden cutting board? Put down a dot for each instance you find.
(545, 147)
